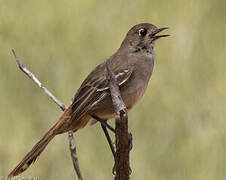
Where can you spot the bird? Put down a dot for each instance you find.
(132, 65)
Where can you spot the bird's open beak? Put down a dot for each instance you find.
(154, 35)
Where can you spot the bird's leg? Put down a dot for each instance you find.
(104, 123)
(108, 139)
(104, 126)
(130, 148)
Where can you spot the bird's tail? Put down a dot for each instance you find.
(58, 128)
(34, 153)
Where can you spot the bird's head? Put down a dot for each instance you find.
(142, 37)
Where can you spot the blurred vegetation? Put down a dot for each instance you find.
(179, 127)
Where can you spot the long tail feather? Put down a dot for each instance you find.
(33, 154)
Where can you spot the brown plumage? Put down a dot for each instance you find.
(132, 64)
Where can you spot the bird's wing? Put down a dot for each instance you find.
(95, 88)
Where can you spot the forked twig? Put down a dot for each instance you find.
(123, 139)
(61, 105)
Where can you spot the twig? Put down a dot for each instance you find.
(74, 154)
(121, 166)
(61, 105)
(32, 76)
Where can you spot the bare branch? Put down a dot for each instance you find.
(122, 167)
(74, 154)
(115, 93)
(61, 105)
(32, 76)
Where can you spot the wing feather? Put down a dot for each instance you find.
(95, 88)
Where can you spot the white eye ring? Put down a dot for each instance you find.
(142, 32)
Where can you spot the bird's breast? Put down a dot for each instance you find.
(136, 86)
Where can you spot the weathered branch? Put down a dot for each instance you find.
(61, 105)
(32, 76)
(122, 166)
(74, 154)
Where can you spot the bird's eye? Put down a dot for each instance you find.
(142, 32)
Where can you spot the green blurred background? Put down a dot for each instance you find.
(179, 127)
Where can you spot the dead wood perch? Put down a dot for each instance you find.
(123, 139)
